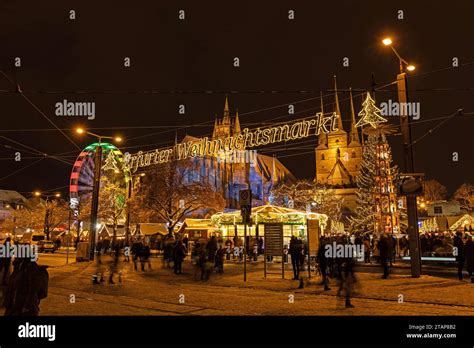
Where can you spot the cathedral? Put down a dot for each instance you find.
(232, 174)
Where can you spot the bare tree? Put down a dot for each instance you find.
(434, 191)
(172, 191)
(112, 207)
(303, 192)
(47, 215)
(465, 196)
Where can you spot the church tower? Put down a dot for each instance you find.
(338, 157)
(226, 126)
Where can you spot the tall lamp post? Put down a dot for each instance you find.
(96, 187)
(409, 164)
(46, 215)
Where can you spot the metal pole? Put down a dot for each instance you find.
(95, 199)
(129, 195)
(413, 234)
(309, 251)
(68, 234)
(245, 251)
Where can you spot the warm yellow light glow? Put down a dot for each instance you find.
(118, 139)
(37, 193)
(57, 195)
(142, 174)
(79, 130)
(387, 41)
(410, 67)
(422, 205)
(116, 171)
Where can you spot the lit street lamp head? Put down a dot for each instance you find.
(118, 139)
(37, 193)
(387, 41)
(79, 130)
(410, 67)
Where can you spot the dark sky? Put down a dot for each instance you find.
(196, 55)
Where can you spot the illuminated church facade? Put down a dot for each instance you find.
(230, 174)
(338, 156)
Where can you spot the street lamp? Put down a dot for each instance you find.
(96, 187)
(405, 125)
(46, 215)
(403, 63)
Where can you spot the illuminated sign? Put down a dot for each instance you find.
(244, 140)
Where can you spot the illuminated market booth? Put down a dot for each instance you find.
(294, 222)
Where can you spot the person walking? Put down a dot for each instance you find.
(5, 262)
(179, 253)
(366, 244)
(211, 249)
(114, 265)
(295, 253)
(347, 279)
(323, 263)
(144, 255)
(27, 286)
(384, 251)
(220, 260)
(136, 250)
(459, 253)
(469, 254)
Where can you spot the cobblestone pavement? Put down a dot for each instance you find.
(160, 292)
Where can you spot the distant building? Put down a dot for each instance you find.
(10, 200)
(443, 208)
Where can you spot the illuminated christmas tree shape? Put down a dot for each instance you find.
(370, 114)
(110, 163)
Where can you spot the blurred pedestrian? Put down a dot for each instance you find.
(322, 260)
(384, 251)
(469, 254)
(144, 255)
(179, 253)
(459, 253)
(211, 249)
(136, 250)
(220, 260)
(5, 262)
(366, 244)
(295, 253)
(114, 265)
(27, 286)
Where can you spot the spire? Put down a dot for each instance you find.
(354, 132)
(226, 118)
(338, 110)
(237, 122)
(322, 137)
(274, 178)
(215, 127)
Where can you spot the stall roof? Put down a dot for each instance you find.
(153, 228)
(269, 213)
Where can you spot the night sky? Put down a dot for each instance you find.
(176, 61)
